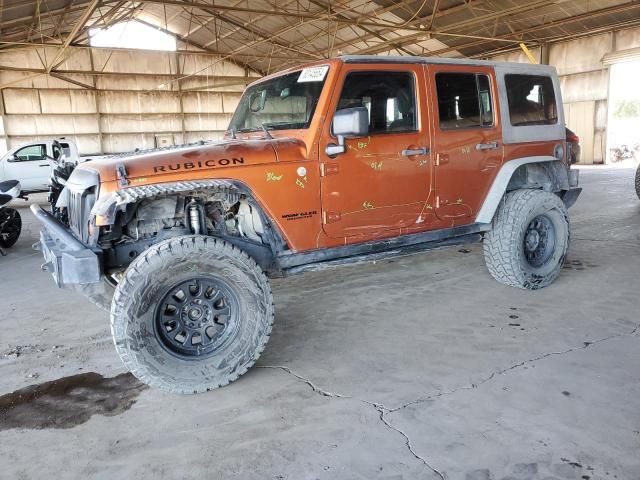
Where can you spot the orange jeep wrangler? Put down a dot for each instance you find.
(343, 160)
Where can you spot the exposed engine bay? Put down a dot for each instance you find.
(140, 224)
(198, 213)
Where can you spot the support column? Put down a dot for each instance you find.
(178, 72)
(4, 142)
(97, 105)
(544, 53)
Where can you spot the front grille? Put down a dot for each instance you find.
(79, 207)
(82, 187)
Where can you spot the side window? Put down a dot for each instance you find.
(388, 96)
(486, 104)
(66, 149)
(31, 153)
(532, 100)
(464, 100)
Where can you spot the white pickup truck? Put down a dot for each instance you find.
(31, 163)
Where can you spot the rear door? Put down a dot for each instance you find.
(30, 166)
(382, 183)
(467, 138)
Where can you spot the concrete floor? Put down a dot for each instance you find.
(418, 368)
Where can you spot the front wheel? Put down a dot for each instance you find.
(192, 314)
(10, 226)
(529, 241)
(638, 181)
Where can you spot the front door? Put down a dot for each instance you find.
(31, 166)
(381, 185)
(467, 139)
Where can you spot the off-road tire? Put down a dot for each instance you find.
(138, 295)
(504, 245)
(10, 226)
(638, 181)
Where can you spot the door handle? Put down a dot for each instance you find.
(45, 165)
(410, 152)
(487, 146)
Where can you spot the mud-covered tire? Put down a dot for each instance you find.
(147, 284)
(509, 250)
(638, 181)
(10, 226)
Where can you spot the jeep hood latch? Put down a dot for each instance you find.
(121, 173)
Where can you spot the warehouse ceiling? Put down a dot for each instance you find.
(267, 35)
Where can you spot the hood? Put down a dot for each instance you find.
(211, 156)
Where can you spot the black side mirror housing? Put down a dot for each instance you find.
(348, 123)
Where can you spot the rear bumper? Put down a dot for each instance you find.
(68, 260)
(570, 196)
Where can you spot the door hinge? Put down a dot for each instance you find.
(329, 169)
(437, 159)
(330, 217)
(438, 202)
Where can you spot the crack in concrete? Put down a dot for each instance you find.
(385, 411)
(515, 366)
(380, 408)
(316, 389)
(407, 442)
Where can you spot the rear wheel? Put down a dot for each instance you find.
(10, 226)
(638, 181)
(191, 314)
(529, 241)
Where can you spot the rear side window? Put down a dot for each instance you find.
(464, 100)
(532, 100)
(388, 96)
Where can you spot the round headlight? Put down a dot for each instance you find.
(558, 152)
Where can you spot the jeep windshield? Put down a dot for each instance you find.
(282, 103)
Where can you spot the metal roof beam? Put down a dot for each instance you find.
(74, 31)
(625, 7)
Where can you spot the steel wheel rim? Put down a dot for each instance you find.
(196, 317)
(539, 241)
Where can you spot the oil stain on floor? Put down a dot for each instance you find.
(69, 401)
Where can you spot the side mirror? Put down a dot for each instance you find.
(348, 123)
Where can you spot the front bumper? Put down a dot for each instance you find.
(66, 258)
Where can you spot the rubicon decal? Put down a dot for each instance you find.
(212, 162)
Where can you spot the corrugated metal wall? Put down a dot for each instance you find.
(134, 102)
(585, 84)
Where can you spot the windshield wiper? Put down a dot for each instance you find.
(266, 132)
(260, 127)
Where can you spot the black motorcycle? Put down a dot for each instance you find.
(10, 220)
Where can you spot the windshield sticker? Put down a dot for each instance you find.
(313, 74)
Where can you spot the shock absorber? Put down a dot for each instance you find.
(195, 216)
